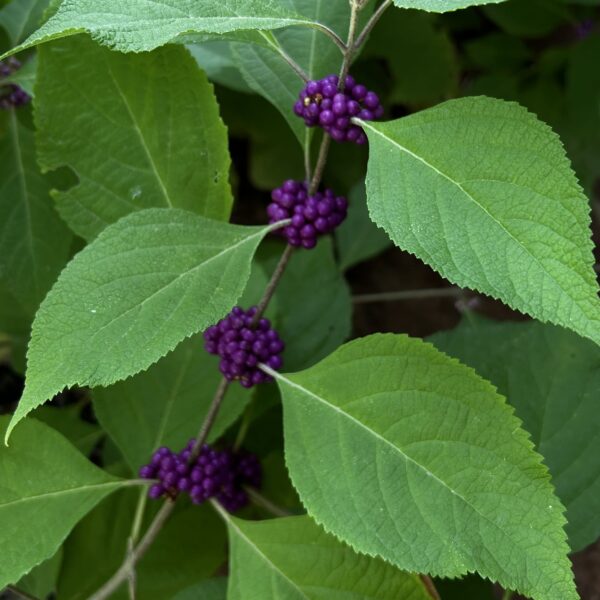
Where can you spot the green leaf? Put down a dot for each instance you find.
(441, 6)
(117, 23)
(14, 331)
(294, 558)
(268, 75)
(552, 378)
(358, 239)
(315, 319)
(67, 421)
(211, 589)
(166, 404)
(139, 130)
(47, 486)
(406, 454)
(20, 18)
(482, 192)
(34, 242)
(146, 283)
(189, 547)
(217, 61)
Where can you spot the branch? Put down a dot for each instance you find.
(210, 418)
(132, 558)
(337, 40)
(430, 587)
(288, 59)
(273, 283)
(320, 166)
(408, 295)
(360, 40)
(350, 49)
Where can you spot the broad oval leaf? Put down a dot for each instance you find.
(117, 23)
(441, 6)
(294, 558)
(139, 131)
(47, 486)
(482, 192)
(406, 454)
(144, 284)
(552, 378)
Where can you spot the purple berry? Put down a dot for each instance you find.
(322, 103)
(11, 95)
(213, 473)
(242, 348)
(306, 214)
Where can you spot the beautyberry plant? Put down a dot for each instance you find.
(206, 210)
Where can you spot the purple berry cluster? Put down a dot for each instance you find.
(11, 95)
(213, 474)
(312, 216)
(242, 344)
(321, 103)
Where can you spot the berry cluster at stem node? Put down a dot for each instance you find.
(11, 95)
(213, 474)
(243, 344)
(322, 103)
(312, 216)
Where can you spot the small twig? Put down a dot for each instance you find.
(131, 576)
(273, 283)
(338, 41)
(139, 516)
(121, 575)
(408, 295)
(307, 145)
(293, 64)
(265, 503)
(507, 595)
(430, 587)
(360, 40)
(210, 418)
(288, 59)
(320, 166)
(350, 49)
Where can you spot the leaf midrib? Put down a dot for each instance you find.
(265, 558)
(16, 143)
(59, 493)
(139, 133)
(180, 276)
